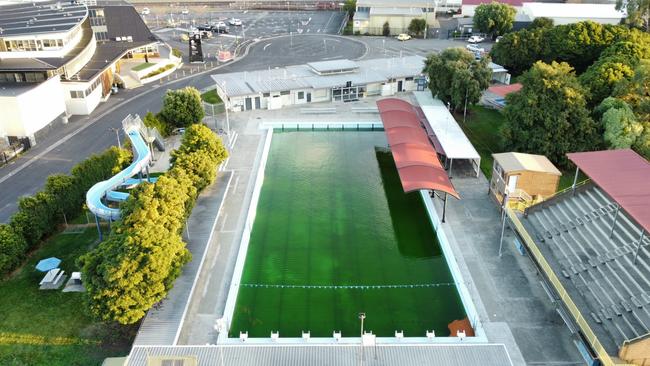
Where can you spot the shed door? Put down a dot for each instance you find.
(512, 183)
(249, 104)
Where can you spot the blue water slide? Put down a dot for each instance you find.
(105, 190)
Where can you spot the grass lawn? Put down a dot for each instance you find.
(50, 327)
(211, 97)
(482, 128)
(143, 66)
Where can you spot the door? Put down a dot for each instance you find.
(512, 183)
(399, 85)
(249, 104)
(257, 103)
(308, 97)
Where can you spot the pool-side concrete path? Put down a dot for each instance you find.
(513, 307)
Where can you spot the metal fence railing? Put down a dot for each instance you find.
(573, 310)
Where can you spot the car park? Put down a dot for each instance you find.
(403, 37)
(235, 22)
(475, 39)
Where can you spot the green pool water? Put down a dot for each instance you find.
(335, 235)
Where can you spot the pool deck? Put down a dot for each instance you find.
(510, 301)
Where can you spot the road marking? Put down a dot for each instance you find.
(236, 185)
(223, 220)
(266, 46)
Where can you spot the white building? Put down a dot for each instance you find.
(573, 13)
(326, 81)
(371, 15)
(61, 58)
(469, 6)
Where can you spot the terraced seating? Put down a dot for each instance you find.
(601, 269)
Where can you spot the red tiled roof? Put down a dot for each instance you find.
(416, 160)
(503, 90)
(623, 175)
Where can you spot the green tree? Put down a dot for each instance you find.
(548, 116)
(517, 51)
(621, 127)
(150, 120)
(350, 6)
(456, 76)
(12, 248)
(386, 30)
(494, 19)
(182, 107)
(541, 22)
(417, 26)
(638, 12)
(601, 77)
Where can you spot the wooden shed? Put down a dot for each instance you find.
(529, 178)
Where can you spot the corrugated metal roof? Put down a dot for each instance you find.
(333, 65)
(303, 77)
(514, 161)
(452, 138)
(340, 355)
(32, 17)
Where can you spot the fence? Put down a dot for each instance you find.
(561, 292)
(11, 152)
(211, 119)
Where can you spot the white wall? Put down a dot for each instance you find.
(27, 113)
(81, 106)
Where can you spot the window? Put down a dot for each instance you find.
(286, 92)
(409, 78)
(266, 95)
(301, 95)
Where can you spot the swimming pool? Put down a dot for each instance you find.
(335, 235)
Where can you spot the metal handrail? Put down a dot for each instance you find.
(573, 310)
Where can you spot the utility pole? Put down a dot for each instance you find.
(117, 134)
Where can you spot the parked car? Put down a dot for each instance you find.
(474, 48)
(235, 21)
(403, 37)
(475, 39)
(204, 27)
(220, 29)
(219, 24)
(145, 11)
(185, 11)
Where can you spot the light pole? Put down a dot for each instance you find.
(117, 134)
(362, 317)
(226, 105)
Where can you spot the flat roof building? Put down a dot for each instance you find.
(327, 81)
(59, 59)
(371, 15)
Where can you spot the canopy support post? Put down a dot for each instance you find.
(504, 215)
(638, 245)
(451, 163)
(99, 229)
(614, 223)
(575, 180)
(444, 208)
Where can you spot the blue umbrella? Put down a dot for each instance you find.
(48, 264)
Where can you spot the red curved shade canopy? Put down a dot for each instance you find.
(415, 158)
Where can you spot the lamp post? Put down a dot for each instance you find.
(362, 317)
(226, 105)
(117, 134)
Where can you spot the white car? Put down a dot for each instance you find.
(475, 39)
(145, 11)
(185, 11)
(474, 48)
(220, 25)
(403, 37)
(235, 21)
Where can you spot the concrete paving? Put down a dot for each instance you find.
(507, 291)
(510, 300)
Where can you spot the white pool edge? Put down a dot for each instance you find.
(435, 221)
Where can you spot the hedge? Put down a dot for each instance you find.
(40, 215)
(136, 266)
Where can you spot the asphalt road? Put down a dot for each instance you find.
(60, 151)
